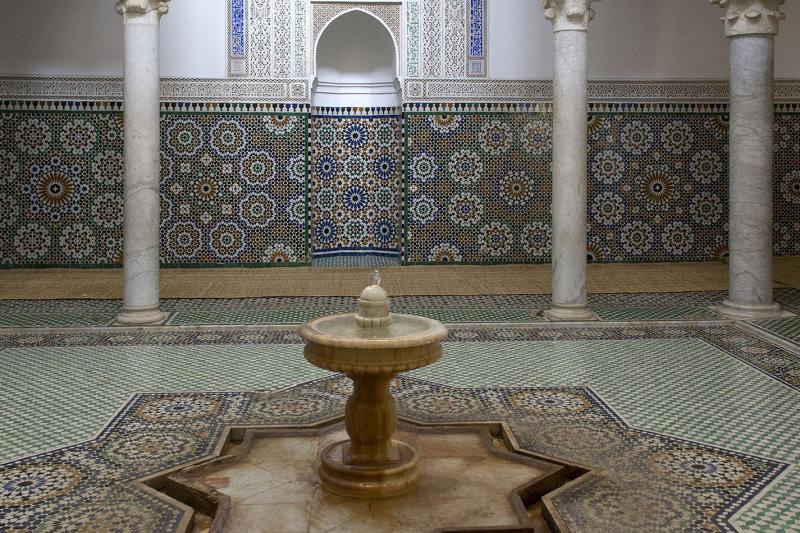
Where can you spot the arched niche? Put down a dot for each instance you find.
(356, 63)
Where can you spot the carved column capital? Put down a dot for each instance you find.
(743, 17)
(568, 14)
(150, 10)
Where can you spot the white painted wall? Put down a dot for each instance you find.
(194, 37)
(631, 39)
(84, 38)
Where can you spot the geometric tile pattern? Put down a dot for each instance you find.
(786, 196)
(478, 187)
(656, 468)
(233, 188)
(155, 432)
(355, 184)
(60, 188)
(56, 319)
(686, 387)
(496, 309)
(784, 328)
(359, 260)
(657, 187)
(672, 448)
(679, 312)
(46, 414)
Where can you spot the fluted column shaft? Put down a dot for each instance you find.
(140, 304)
(751, 26)
(570, 110)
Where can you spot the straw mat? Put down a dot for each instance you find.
(57, 283)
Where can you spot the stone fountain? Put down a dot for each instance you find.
(454, 478)
(371, 347)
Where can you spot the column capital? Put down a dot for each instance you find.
(150, 9)
(568, 14)
(744, 17)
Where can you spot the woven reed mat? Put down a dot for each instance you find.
(440, 279)
(786, 270)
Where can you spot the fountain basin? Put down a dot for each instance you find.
(371, 347)
(337, 343)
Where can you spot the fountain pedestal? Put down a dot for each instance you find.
(371, 347)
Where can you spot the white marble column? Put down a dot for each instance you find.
(570, 20)
(751, 26)
(141, 150)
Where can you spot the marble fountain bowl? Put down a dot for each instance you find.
(371, 347)
(338, 344)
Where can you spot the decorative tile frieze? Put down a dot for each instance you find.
(787, 91)
(355, 111)
(600, 91)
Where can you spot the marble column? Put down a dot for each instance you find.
(751, 26)
(141, 19)
(570, 20)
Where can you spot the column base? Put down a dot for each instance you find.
(738, 310)
(141, 316)
(569, 312)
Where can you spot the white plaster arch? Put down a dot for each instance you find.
(361, 66)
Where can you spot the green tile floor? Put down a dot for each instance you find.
(61, 388)
(455, 309)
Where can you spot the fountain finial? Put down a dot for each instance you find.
(373, 305)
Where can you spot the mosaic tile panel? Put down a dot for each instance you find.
(355, 184)
(786, 196)
(233, 188)
(60, 187)
(657, 187)
(478, 187)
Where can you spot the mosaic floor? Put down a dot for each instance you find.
(688, 423)
(519, 309)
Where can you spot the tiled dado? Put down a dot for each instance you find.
(257, 184)
(233, 188)
(356, 174)
(478, 187)
(233, 184)
(478, 183)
